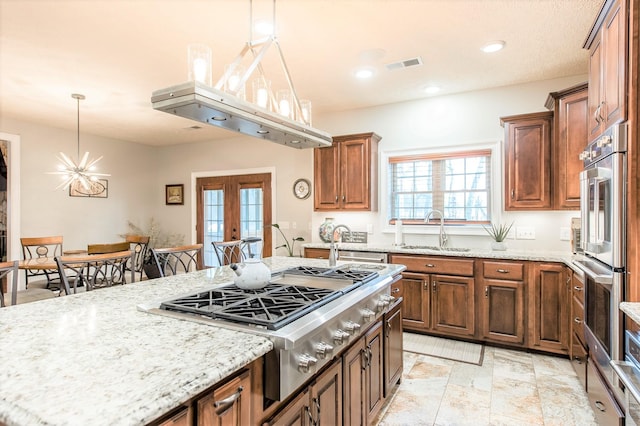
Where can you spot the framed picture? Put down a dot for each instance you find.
(97, 189)
(174, 194)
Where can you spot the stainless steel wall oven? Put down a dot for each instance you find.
(602, 213)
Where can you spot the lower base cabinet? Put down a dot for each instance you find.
(228, 405)
(549, 308)
(393, 359)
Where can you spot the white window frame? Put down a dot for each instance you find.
(497, 188)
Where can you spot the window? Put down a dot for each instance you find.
(457, 184)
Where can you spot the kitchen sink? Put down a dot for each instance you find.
(436, 248)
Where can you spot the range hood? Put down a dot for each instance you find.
(197, 101)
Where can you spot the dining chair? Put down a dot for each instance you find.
(177, 260)
(7, 268)
(94, 271)
(108, 247)
(41, 247)
(229, 252)
(139, 244)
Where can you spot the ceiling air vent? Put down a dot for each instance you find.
(404, 64)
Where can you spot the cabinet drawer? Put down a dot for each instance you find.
(577, 318)
(577, 289)
(436, 265)
(503, 270)
(315, 253)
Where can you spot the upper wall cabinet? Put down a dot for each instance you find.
(568, 141)
(527, 161)
(346, 173)
(607, 45)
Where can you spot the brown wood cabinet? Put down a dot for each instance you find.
(315, 253)
(346, 173)
(607, 43)
(549, 307)
(393, 358)
(228, 404)
(577, 349)
(184, 417)
(438, 294)
(502, 312)
(528, 161)
(570, 111)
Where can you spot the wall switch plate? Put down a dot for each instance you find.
(525, 233)
(565, 234)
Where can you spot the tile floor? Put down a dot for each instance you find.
(509, 388)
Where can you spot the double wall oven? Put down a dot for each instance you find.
(602, 205)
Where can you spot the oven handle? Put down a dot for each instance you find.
(628, 375)
(605, 279)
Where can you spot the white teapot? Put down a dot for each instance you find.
(251, 274)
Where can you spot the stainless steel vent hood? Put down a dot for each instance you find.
(199, 102)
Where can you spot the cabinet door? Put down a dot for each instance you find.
(393, 361)
(527, 162)
(326, 181)
(326, 396)
(355, 170)
(595, 98)
(503, 311)
(227, 405)
(353, 384)
(614, 45)
(415, 291)
(549, 313)
(571, 140)
(374, 372)
(452, 304)
(296, 413)
(181, 418)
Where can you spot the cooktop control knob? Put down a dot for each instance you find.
(583, 155)
(387, 297)
(339, 336)
(322, 349)
(306, 362)
(368, 315)
(382, 304)
(352, 327)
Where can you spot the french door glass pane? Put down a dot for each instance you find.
(251, 201)
(213, 223)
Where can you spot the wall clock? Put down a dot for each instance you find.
(302, 189)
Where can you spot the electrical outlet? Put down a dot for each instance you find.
(565, 234)
(525, 233)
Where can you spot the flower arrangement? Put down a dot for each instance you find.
(498, 232)
(286, 244)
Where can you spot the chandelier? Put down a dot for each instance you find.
(279, 117)
(79, 174)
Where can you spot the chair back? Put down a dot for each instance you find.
(107, 248)
(229, 251)
(139, 244)
(7, 268)
(94, 271)
(177, 260)
(38, 247)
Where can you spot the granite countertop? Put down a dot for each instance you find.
(94, 358)
(632, 309)
(537, 255)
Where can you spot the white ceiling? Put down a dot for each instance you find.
(117, 52)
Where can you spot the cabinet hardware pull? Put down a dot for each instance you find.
(600, 406)
(308, 411)
(503, 271)
(513, 194)
(395, 290)
(336, 198)
(434, 286)
(344, 198)
(430, 265)
(316, 402)
(224, 404)
(426, 285)
(577, 320)
(486, 291)
(577, 288)
(364, 359)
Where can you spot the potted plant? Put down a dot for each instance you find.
(286, 244)
(499, 234)
(157, 239)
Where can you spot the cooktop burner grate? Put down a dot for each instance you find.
(341, 272)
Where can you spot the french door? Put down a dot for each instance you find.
(232, 208)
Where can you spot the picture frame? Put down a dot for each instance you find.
(98, 189)
(174, 194)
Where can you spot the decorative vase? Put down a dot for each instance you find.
(498, 245)
(326, 229)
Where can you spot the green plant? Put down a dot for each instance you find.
(498, 232)
(286, 244)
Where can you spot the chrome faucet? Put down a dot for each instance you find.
(333, 249)
(442, 240)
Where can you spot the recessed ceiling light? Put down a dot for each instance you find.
(364, 73)
(430, 90)
(494, 46)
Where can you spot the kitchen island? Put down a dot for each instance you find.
(94, 358)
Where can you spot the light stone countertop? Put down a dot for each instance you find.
(632, 309)
(94, 359)
(537, 255)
